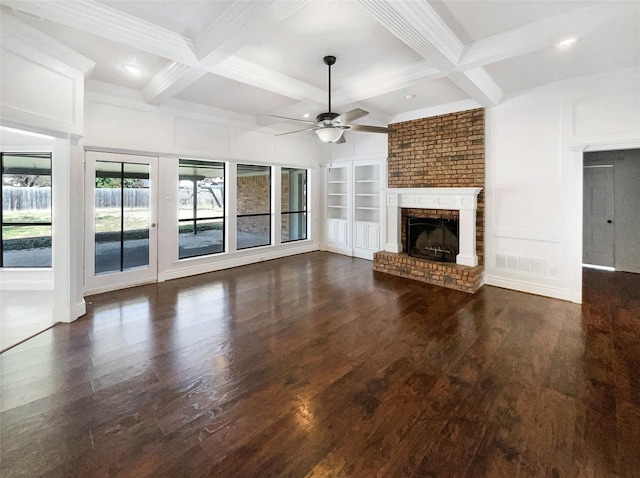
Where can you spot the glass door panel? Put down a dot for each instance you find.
(123, 239)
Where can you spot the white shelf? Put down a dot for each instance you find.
(336, 194)
(337, 207)
(368, 208)
(336, 182)
(367, 180)
(368, 194)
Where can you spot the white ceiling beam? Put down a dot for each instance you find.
(418, 26)
(18, 35)
(242, 23)
(170, 81)
(539, 34)
(236, 68)
(106, 22)
(239, 24)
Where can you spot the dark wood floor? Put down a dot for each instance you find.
(315, 366)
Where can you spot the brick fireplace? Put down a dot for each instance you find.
(436, 170)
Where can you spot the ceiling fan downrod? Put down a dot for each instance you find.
(329, 60)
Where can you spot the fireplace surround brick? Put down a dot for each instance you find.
(445, 151)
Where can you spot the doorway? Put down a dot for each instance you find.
(121, 232)
(611, 223)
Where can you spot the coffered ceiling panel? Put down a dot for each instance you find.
(261, 58)
(606, 48)
(110, 57)
(218, 92)
(185, 17)
(343, 29)
(423, 94)
(476, 20)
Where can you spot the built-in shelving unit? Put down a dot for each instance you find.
(366, 231)
(338, 205)
(353, 207)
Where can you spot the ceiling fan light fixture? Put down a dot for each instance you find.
(329, 135)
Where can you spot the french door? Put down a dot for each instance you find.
(120, 225)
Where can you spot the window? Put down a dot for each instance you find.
(25, 219)
(254, 206)
(294, 204)
(122, 217)
(200, 208)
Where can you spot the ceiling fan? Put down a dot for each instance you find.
(330, 126)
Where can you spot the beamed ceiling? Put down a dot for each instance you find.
(261, 58)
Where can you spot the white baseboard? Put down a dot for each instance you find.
(347, 251)
(79, 310)
(124, 285)
(240, 259)
(555, 293)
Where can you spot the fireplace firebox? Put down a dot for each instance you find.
(432, 239)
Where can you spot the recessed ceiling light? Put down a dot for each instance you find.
(409, 97)
(132, 69)
(566, 43)
(306, 115)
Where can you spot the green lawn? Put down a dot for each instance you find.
(107, 220)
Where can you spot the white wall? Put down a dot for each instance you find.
(42, 81)
(357, 146)
(118, 119)
(534, 148)
(42, 91)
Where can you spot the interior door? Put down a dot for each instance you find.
(121, 233)
(598, 227)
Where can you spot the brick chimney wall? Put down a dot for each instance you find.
(443, 151)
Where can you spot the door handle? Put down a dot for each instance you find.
(153, 224)
(609, 221)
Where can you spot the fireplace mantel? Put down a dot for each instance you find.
(457, 199)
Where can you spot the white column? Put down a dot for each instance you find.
(394, 228)
(467, 232)
(231, 207)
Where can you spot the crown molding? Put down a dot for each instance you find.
(106, 22)
(536, 35)
(17, 35)
(106, 93)
(454, 107)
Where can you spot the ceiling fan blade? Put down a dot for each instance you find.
(349, 116)
(341, 140)
(298, 131)
(293, 119)
(368, 129)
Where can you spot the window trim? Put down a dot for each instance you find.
(267, 214)
(306, 205)
(41, 154)
(196, 219)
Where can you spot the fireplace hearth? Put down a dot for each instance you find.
(447, 204)
(432, 239)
